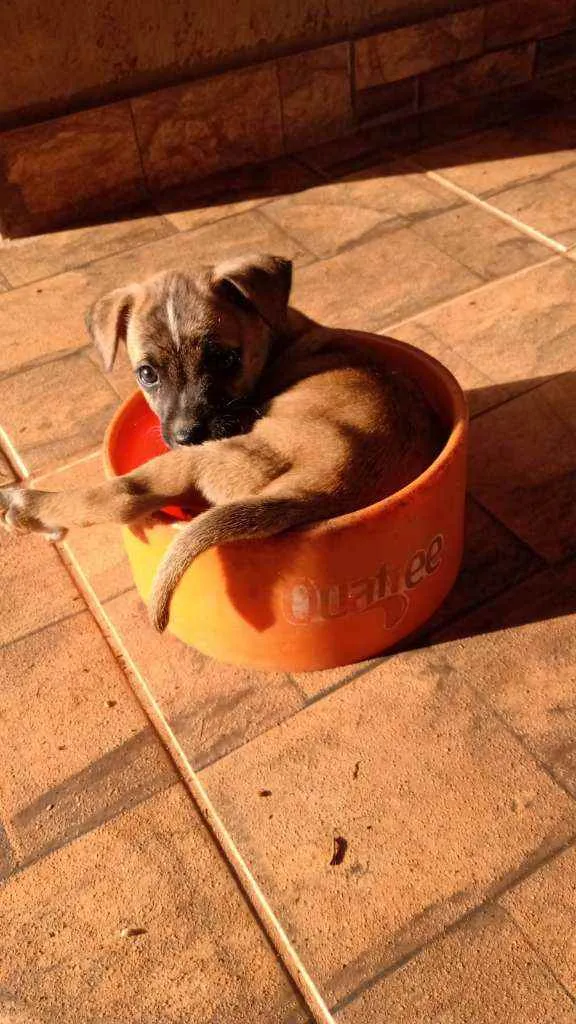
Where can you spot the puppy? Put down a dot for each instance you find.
(275, 420)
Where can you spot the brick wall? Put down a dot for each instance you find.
(422, 81)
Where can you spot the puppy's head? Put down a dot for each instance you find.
(199, 342)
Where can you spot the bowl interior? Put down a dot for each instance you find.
(134, 436)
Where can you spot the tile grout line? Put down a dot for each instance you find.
(486, 508)
(48, 360)
(13, 456)
(64, 467)
(86, 264)
(546, 966)
(508, 218)
(260, 211)
(264, 913)
(173, 233)
(490, 901)
(513, 398)
(6, 645)
(494, 283)
(521, 740)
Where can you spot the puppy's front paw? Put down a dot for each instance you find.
(21, 511)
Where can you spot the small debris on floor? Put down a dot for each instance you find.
(265, 792)
(132, 933)
(356, 770)
(111, 703)
(339, 851)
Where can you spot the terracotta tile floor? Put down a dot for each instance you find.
(448, 768)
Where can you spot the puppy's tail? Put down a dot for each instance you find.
(246, 520)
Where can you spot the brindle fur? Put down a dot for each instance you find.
(305, 428)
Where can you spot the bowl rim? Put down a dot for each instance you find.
(456, 401)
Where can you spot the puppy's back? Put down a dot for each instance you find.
(361, 428)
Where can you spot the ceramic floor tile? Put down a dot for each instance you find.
(28, 259)
(97, 550)
(55, 413)
(495, 159)
(141, 920)
(76, 747)
(482, 242)
(482, 972)
(413, 785)
(24, 605)
(329, 217)
(233, 192)
(247, 232)
(544, 906)
(391, 277)
(516, 332)
(17, 1012)
(548, 205)
(43, 321)
(519, 653)
(326, 220)
(523, 466)
(212, 708)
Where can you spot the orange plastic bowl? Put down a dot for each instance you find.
(325, 595)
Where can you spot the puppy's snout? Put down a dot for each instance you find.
(191, 435)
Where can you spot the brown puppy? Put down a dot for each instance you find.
(274, 419)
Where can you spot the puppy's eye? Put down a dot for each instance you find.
(223, 359)
(147, 375)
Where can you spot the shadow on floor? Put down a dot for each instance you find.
(503, 583)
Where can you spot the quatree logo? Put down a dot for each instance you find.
(389, 588)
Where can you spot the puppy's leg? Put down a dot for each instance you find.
(170, 478)
(218, 470)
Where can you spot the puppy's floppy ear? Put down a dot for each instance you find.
(261, 283)
(107, 322)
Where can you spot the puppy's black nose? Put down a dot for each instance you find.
(194, 435)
